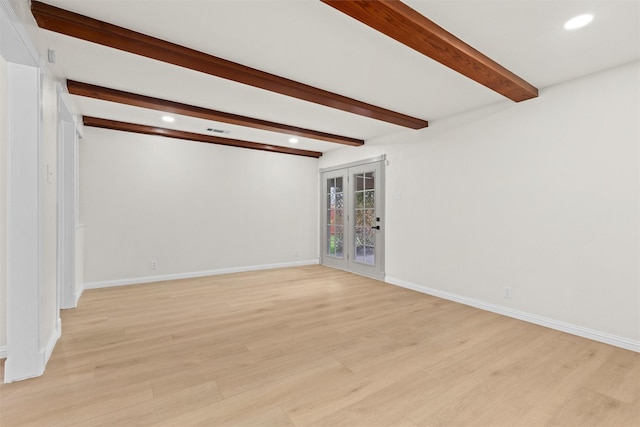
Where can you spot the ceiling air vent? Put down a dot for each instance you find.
(222, 131)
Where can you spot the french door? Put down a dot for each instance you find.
(352, 215)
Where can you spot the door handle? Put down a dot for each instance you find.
(377, 227)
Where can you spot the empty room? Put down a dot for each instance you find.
(320, 213)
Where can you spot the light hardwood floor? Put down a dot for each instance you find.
(315, 346)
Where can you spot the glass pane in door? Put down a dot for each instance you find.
(364, 239)
(335, 218)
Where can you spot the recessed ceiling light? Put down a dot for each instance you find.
(578, 21)
(168, 119)
(293, 140)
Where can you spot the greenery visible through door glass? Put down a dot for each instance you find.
(335, 217)
(365, 217)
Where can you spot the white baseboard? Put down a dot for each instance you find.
(569, 328)
(78, 293)
(46, 352)
(149, 279)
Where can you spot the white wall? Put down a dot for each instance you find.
(3, 204)
(541, 196)
(49, 310)
(190, 206)
(49, 315)
(20, 30)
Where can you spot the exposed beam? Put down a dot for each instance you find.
(85, 28)
(209, 139)
(113, 95)
(404, 24)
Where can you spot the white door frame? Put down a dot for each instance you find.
(25, 182)
(348, 262)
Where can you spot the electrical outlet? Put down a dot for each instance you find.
(154, 265)
(507, 292)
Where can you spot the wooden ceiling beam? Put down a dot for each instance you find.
(128, 98)
(404, 24)
(189, 136)
(75, 25)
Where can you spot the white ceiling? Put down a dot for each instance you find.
(312, 43)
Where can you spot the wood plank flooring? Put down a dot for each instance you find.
(313, 346)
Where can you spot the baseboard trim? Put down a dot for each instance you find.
(46, 352)
(617, 341)
(149, 279)
(79, 292)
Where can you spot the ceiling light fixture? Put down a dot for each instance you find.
(578, 21)
(168, 119)
(293, 140)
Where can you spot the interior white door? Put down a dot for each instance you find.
(353, 220)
